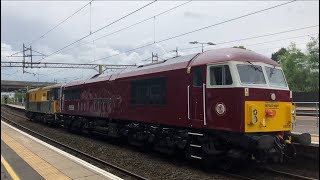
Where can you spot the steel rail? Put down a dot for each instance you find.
(287, 174)
(77, 151)
(238, 176)
(14, 113)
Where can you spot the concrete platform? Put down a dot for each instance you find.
(16, 106)
(12, 164)
(26, 157)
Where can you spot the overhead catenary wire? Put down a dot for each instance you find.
(206, 27)
(42, 36)
(246, 45)
(101, 28)
(38, 52)
(15, 53)
(226, 21)
(132, 25)
(304, 43)
(125, 52)
(124, 16)
(282, 39)
(253, 38)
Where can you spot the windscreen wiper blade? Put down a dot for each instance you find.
(253, 66)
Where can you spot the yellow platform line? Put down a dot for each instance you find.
(46, 170)
(9, 169)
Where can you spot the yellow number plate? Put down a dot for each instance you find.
(271, 105)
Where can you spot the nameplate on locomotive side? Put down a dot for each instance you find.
(71, 107)
(102, 100)
(271, 105)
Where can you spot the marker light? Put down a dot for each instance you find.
(254, 120)
(293, 119)
(255, 112)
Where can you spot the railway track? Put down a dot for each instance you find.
(91, 157)
(129, 173)
(287, 174)
(136, 176)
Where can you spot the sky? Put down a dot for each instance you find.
(26, 21)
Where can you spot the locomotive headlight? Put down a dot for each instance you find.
(254, 119)
(293, 118)
(255, 112)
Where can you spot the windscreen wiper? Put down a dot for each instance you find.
(253, 66)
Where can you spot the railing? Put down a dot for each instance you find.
(307, 109)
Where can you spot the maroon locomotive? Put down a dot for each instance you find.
(229, 102)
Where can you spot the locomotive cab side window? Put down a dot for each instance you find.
(220, 75)
(55, 93)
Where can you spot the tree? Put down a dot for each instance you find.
(275, 56)
(313, 64)
(293, 62)
(19, 95)
(301, 69)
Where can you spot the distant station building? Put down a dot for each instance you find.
(11, 86)
(13, 91)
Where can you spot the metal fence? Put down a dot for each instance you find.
(308, 109)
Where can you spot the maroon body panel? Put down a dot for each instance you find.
(257, 94)
(109, 97)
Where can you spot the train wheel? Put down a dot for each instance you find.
(290, 152)
(226, 163)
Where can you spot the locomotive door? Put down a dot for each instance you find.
(196, 95)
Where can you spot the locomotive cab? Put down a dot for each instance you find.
(252, 99)
(264, 97)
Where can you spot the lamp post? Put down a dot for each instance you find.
(196, 42)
